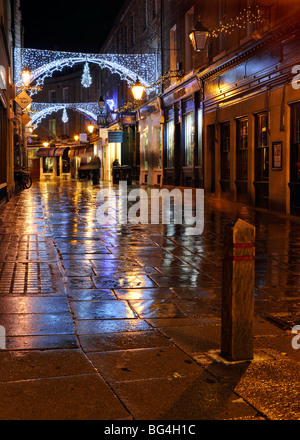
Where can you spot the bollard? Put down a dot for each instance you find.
(238, 277)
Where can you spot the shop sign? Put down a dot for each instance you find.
(185, 91)
(128, 118)
(277, 156)
(115, 137)
(26, 119)
(83, 137)
(23, 99)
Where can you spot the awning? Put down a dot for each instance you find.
(46, 152)
(95, 164)
(82, 151)
(62, 151)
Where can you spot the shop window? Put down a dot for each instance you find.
(66, 168)
(189, 139)
(225, 151)
(145, 145)
(261, 147)
(242, 149)
(48, 165)
(159, 147)
(170, 144)
(200, 137)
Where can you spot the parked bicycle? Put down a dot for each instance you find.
(22, 179)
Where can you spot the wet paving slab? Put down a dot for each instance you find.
(131, 311)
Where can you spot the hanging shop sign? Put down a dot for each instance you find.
(115, 137)
(128, 118)
(26, 119)
(83, 137)
(23, 99)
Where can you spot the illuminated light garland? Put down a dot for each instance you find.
(86, 79)
(111, 104)
(43, 63)
(39, 110)
(249, 15)
(65, 118)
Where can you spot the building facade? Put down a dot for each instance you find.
(229, 123)
(12, 140)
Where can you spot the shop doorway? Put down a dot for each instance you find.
(262, 160)
(211, 143)
(294, 183)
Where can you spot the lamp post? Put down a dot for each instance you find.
(101, 103)
(199, 36)
(91, 128)
(26, 77)
(138, 90)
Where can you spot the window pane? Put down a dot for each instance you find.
(200, 133)
(262, 147)
(48, 164)
(170, 144)
(189, 139)
(242, 149)
(225, 151)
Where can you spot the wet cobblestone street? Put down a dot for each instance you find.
(109, 308)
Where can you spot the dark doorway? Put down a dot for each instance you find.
(294, 183)
(211, 142)
(262, 160)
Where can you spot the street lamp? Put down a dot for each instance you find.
(199, 36)
(26, 77)
(101, 103)
(91, 128)
(138, 90)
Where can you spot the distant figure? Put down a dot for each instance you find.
(116, 163)
(96, 162)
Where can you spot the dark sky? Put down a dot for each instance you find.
(68, 25)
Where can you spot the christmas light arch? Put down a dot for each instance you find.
(43, 64)
(40, 110)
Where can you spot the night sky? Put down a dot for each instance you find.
(68, 25)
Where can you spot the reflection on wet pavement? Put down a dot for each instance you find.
(139, 301)
(61, 273)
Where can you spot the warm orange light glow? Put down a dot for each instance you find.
(138, 90)
(91, 128)
(76, 137)
(26, 78)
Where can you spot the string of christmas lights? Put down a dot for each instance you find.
(65, 118)
(40, 110)
(43, 63)
(86, 79)
(249, 15)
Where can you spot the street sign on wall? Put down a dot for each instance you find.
(115, 137)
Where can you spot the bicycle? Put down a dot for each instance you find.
(23, 179)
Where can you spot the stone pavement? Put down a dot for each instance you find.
(123, 322)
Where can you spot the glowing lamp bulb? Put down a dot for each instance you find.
(138, 90)
(26, 77)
